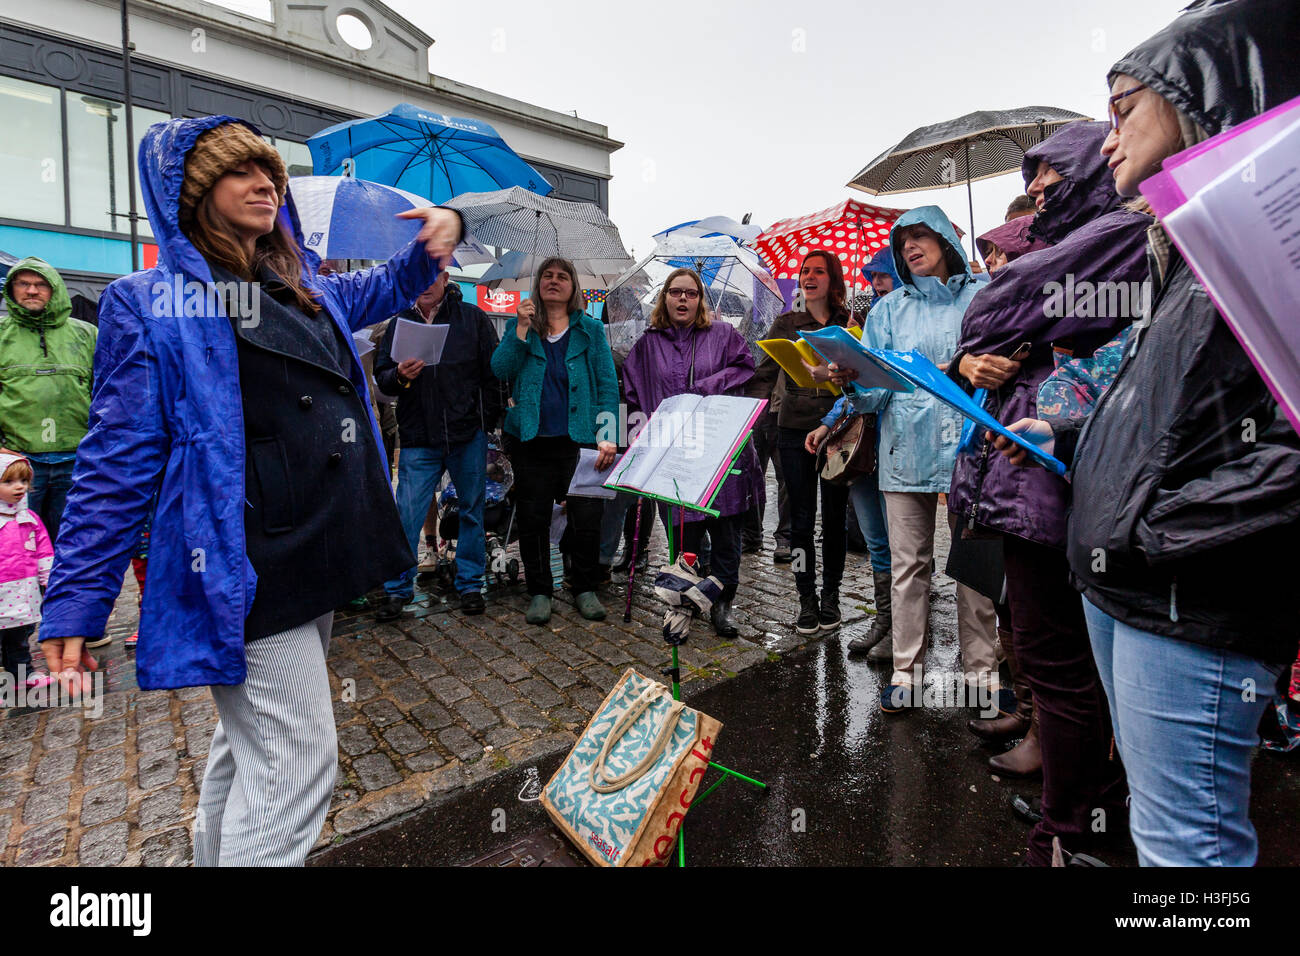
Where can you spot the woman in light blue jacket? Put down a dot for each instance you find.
(918, 446)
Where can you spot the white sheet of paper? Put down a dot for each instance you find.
(587, 481)
(559, 521)
(363, 344)
(1240, 235)
(416, 340)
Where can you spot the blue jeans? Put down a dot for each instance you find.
(49, 493)
(611, 525)
(869, 506)
(1185, 734)
(418, 472)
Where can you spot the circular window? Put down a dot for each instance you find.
(354, 31)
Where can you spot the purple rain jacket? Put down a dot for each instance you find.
(1050, 300)
(658, 367)
(1013, 238)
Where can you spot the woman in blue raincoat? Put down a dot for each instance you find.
(226, 381)
(918, 446)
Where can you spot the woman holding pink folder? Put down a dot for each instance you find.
(685, 351)
(1186, 478)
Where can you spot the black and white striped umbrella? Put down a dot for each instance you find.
(539, 226)
(976, 146)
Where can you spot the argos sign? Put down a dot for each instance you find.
(497, 302)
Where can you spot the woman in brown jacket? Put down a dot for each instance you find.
(822, 282)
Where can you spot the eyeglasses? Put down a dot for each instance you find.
(683, 293)
(1112, 112)
(40, 285)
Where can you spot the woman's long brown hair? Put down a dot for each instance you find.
(215, 240)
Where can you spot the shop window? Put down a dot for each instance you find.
(31, 157)
(98, 158)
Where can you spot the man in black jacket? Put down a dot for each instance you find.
(444, 412)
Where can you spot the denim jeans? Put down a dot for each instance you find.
(869, 506)
(49, 493)
(1185, 719)
(418, 472)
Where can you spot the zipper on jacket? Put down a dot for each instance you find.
(44, 351)
(1173, 600)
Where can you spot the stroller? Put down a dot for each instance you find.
(499, 528)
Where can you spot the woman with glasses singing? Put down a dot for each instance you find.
(686, 351)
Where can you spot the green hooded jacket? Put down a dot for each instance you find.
(46, 362)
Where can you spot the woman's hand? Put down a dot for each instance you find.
(818, 373)
(70, 664)
(1032, 430)
(605, 452)
(813, 443)
(842, 376)
(988, 371)
(441, 232)
(524, 318)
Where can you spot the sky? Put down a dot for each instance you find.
(728, 107)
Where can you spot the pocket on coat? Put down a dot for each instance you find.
(271, 468)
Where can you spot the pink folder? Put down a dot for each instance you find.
(1225, 203)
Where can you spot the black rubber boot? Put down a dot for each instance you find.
(720, 615)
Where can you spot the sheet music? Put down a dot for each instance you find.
(416, 340)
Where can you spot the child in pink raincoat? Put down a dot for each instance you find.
(25, 559)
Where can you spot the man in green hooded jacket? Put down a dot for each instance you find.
(46, 363)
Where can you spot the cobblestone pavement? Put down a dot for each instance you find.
(431, 703)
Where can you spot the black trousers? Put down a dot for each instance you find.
(1055, 657)
(801, 481)
(543, 470)
(724, 533)
(15, 652)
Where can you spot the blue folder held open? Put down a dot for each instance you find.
(916, 370)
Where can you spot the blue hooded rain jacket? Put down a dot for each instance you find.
(918, 433)
(165, 414)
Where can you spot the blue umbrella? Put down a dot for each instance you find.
(345, 218)
(427, 153)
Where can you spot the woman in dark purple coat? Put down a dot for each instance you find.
(1071, 297)
(682, 351)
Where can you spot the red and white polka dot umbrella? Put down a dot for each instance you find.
(852, 231)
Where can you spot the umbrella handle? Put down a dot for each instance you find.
(970, 201)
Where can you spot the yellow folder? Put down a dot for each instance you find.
(790, 354)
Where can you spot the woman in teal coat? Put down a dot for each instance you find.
(564, 397)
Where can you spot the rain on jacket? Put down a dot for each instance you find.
(166, 415)
(918, 433)
(46, 361)
(593, 383)
(1094, 241)
(1186, 479)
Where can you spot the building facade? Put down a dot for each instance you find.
(290, 71)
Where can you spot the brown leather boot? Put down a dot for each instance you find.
(1008, 726)
(1024, 759)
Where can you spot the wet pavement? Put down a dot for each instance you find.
(443, 719)
(847, 785)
